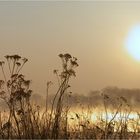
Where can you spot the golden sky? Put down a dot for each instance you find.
(94, 32)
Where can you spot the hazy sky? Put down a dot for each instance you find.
(94, 32)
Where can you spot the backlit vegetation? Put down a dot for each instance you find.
(58, 120)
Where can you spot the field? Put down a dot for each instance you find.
(58, 118)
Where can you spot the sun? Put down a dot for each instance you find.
(132, 43)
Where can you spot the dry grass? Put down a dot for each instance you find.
(23, 120)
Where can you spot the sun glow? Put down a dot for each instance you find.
(132, 43)
(97, 117)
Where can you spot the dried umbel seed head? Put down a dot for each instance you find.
(60, 55)
(25, 60)
(13, 57)
(27, 82)
(21, 76)
(18, 64)
(29, 93)
(1, 63)
(74, 63)
(67, 56)
(72, 72)
(16, 57)
(7, 57)
(14, 76)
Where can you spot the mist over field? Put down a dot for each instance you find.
(70, 69)
(95, 98)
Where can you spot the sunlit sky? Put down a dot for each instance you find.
(94, 32)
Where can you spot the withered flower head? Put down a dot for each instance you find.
(27, 82)
(74, 63)
(67, 56)
(21, 76)
(16, 57)
(18, 64)
(72, 72)
(29, 93)
(14, 75)
(75, 58)
(7, 57)
(25, 60)
(60, 55)
(1, 63)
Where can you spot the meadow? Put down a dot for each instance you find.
(58, 119)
